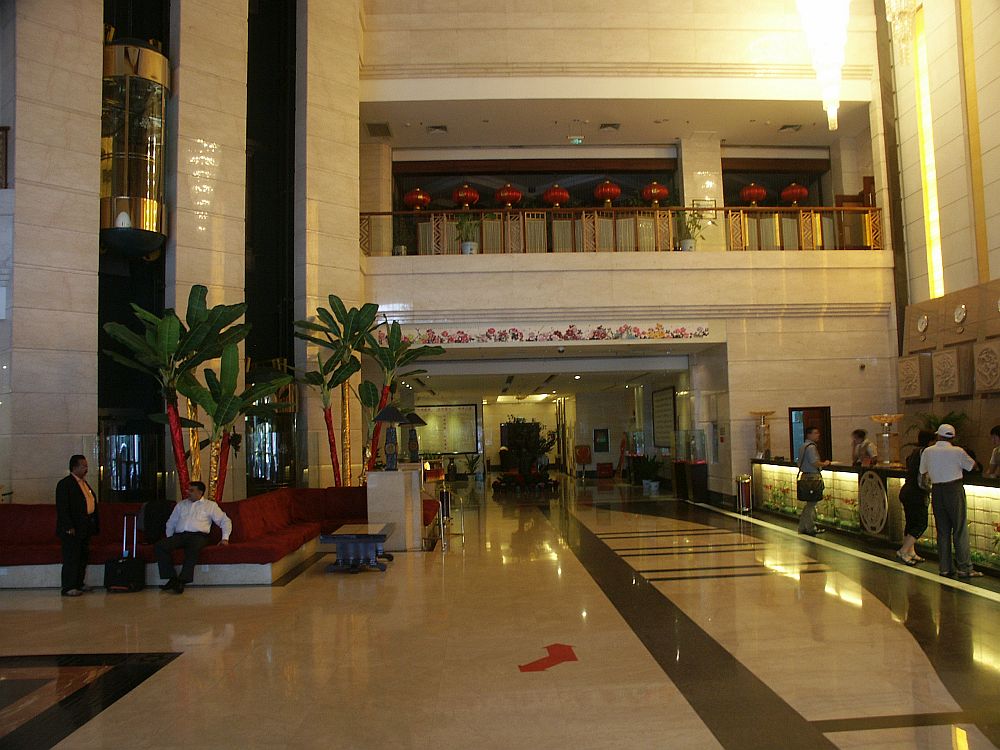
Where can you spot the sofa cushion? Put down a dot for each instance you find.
(23, 524)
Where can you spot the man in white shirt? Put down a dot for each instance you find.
(188, 528)
(944, 464)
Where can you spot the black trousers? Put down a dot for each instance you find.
(75, 552)
(192, 542)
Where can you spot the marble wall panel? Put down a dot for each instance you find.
(54, 413)
(50, 206)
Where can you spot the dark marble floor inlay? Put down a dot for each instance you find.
(717, 685)
(66, 691)
(713, 551)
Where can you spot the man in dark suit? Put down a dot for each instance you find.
(76, 522)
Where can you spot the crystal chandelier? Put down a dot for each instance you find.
(825, 25)
(899, 14)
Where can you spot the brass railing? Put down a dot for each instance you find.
(588, 230)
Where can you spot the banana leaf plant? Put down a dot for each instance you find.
(392, 356)
(341, 333)
(223, 405)
(168, 350)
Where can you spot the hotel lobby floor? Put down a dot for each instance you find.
(690, 628)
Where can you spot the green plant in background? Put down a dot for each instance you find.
(223, 404)
(168, 350)
(646, 468)
(930, 421)
(695, 224)
(472, 461)
(341, 332)
(468, 227)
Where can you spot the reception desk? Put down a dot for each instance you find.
(866, 502)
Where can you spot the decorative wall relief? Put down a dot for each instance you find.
(953, 371)
(873, 505)
(987, 356)
(915, 376)
(491, 335)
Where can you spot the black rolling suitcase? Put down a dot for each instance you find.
(126, 573)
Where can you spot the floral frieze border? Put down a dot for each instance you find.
(624, 332)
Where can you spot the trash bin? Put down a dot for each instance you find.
(744, 494)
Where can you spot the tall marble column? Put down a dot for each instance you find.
(207, 243)
(51, 98)
(701, 174)
(327, 257)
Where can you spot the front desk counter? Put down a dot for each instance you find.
(866, 502)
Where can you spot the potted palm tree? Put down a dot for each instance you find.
(647, 470)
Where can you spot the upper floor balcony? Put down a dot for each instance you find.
(620, 230)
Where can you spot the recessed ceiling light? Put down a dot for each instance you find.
(576, 377)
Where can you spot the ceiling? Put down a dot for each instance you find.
(548, 122)
(607, 368)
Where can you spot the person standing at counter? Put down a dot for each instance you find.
(811, 465)
(944, 463)
(914, 500)
(863, 450)
(992, 470)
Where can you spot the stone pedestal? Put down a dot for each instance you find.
(394, 497)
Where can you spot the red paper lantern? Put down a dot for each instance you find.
(795, 193)
(555, 195)
(417, 199)
(607, 191)
(654, 192)
(508, 195)
(466, 195)
(753, 194)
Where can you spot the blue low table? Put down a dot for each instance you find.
(359, 546)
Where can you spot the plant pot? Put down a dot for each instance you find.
(650, 486)
(470, 248)
(687, 245)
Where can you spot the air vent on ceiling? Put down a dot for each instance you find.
(434, 129)
(610, 125)
(789, 128)
(378, 129)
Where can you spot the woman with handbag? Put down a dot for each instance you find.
(809, 486)
(914, 498)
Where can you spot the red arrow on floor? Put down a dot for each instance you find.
(558, 653)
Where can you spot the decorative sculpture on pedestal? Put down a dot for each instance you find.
(413, 443)
(888, 439)
(762, 434)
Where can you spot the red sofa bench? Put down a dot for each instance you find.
(272, 533)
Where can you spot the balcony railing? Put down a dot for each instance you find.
(617, 230)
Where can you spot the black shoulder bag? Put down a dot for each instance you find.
(808, 487)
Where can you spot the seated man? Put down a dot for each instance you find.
(188, 528)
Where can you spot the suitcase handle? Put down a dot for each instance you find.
(135, 535)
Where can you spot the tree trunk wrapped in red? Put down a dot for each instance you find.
(332, 437)
(177, 441)
(220, 484)
(378, 427)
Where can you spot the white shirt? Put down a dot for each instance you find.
(198, 516)
(944, 462)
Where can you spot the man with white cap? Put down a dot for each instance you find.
(944, 463)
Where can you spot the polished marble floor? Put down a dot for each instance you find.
(690, 628)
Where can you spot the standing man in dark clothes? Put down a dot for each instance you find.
(76, 522)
